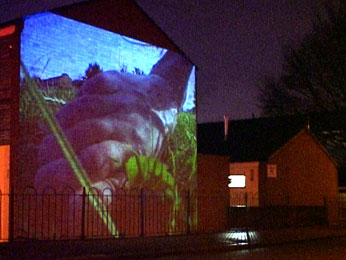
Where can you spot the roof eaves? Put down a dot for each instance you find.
(307, 129)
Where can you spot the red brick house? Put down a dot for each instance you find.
(291, 167)
(299, 173)
(279, 167)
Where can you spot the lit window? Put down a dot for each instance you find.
(236, 181)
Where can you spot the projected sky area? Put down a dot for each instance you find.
(52, 45)
(127, 109)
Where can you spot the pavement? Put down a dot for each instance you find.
(153, 247)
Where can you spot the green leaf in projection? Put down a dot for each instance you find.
(147, 171)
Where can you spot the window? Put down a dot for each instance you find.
(252, 175)
(236, 181)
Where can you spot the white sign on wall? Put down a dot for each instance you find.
(271, 171)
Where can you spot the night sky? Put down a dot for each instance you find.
(234, 44)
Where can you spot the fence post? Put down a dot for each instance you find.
(288, 199)
(188, 213)
(249, 242)
(11, 220)
(142, 213)
(83, 215)
(325, 208)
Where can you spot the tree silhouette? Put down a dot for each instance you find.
(92, 70)
(314, 75)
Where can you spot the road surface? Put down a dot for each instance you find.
(331, 249)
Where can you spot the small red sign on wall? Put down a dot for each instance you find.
(271, 171)
(7, 30)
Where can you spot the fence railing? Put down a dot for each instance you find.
(340, 204)
(247, 211)
(52, 215)
(277, 216)
(69, 215)
(244, 199)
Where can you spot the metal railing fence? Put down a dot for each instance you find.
(244, 199)
(245, 210)
(50, 215)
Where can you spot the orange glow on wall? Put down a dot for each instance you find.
(4, 188)
(7, 30)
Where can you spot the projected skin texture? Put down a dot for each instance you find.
(114, 116)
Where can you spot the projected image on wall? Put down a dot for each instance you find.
(127, 110)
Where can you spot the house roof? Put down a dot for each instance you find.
(257, 139)
(211, 139)
(306, 131)
(247, 140)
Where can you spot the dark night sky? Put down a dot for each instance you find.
(233, 43)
